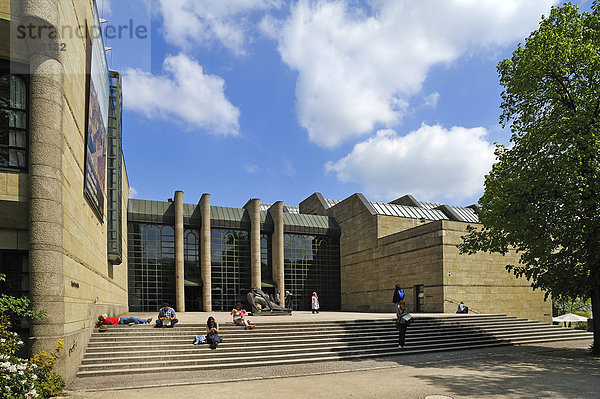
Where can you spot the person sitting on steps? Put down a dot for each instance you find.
(239, 317)
(462, 308)
(212, 333)
(166, 317)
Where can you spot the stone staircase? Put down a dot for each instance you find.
(143, 349)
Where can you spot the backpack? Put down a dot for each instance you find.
(398, 295)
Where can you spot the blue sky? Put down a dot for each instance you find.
(277, 99)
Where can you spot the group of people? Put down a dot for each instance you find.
(166, 318)
(289, 301)
(403, 317)
(239, 317)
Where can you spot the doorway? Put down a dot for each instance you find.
(419, 298)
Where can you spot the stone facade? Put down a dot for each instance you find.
(379, 251)
(44, 211)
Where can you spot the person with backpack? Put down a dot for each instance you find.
(398, 294)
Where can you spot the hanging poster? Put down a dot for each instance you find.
(96, 121)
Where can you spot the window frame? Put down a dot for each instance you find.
(20, 71)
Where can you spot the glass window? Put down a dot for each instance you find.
(230, 272)
(312, 263)
(13, 122)
(151, 266)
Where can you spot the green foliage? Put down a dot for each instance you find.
(576, 306)
(49, 383)
(542, 197)
(23, 378)
(17, 376)
(16, 308)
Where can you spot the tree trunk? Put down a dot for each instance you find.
(596, 317)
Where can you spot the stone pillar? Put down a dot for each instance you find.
(253, 208)
(179, 259)
(46, 277)
(276, 211)
(205, 262)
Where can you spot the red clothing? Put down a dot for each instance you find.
(111, 320)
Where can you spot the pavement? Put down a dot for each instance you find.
(549, 370)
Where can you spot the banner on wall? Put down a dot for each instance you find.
(96, 120)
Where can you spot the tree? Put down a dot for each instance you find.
(542, 197)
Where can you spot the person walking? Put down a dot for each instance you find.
(289, 300)
(315, 303)
(403, 319)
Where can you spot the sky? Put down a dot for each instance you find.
(278, 99)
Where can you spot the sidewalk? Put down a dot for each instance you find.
(552, 370)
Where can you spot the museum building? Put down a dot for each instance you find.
(73, 241)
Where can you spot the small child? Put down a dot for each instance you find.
(245, 323)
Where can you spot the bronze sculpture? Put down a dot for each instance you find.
(261, 303)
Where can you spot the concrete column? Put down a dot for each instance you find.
(205, 252)
(276, 211)
(46, 277)
(253, 208)
(179, 259)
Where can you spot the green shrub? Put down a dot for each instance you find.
(24, 378)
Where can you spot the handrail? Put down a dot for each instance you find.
(458, 303)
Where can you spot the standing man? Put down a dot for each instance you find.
(166, 317)
(402, 322)
(289, 300)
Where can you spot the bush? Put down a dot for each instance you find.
(18, 378)
(48, 383)
(23, 378)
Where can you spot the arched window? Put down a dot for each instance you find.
(13, 122)
(191, 238)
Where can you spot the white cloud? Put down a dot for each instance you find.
(185, 92)
(432, 100)
(251, 168)
(132, 192)
(192, 23)
(430, 163)
(358, 68)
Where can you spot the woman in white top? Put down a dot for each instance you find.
(315, 303)
(238, 317)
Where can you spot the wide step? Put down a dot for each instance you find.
(142, 349)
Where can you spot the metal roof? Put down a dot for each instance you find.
(147, 207)
(330, 202)
(465, 214)
(406, 211)
(429, 205)
(309, 224)
(229, 214)
(264, 206)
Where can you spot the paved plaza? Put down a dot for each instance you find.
(550, 370)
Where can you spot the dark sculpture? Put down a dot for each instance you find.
(261, 304)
